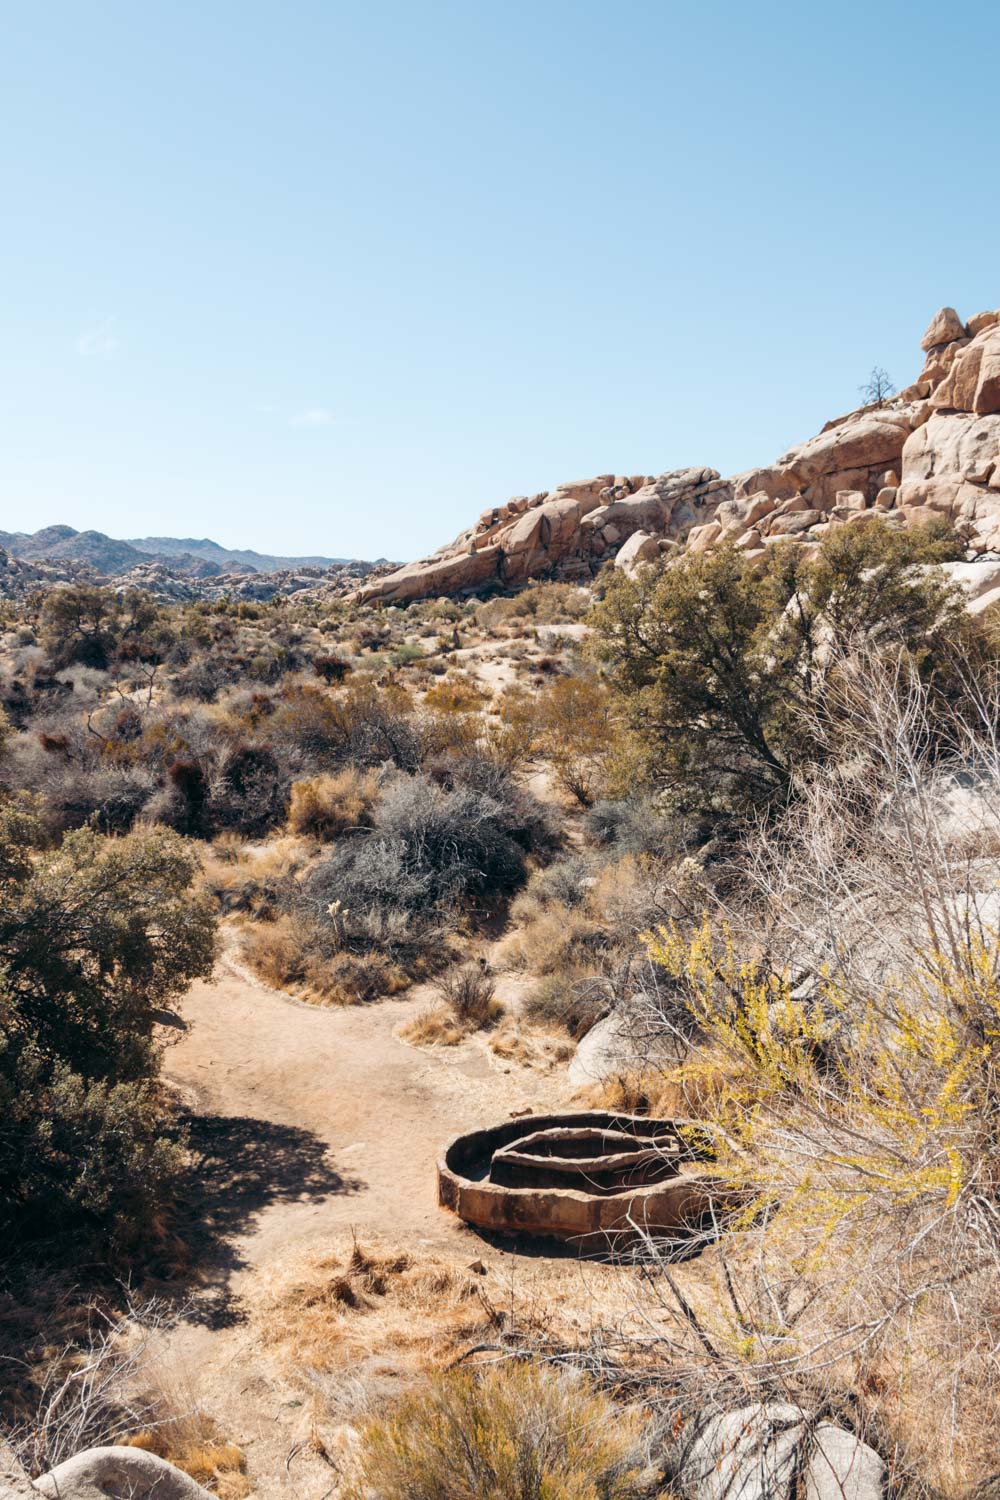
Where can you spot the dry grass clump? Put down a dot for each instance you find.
(508, 1432)
(511, 1042)
(434, 1026)
(327, 806)
(287, 954)
(327, 1312)
(469, 1005)
(691, 1093)
(192, 1443)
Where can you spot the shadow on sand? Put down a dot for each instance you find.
(241, 1166)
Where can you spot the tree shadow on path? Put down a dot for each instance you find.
(239, 1167)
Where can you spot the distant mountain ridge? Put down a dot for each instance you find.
(228, 558)
(195, 557)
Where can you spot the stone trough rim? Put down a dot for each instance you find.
(570, 1214)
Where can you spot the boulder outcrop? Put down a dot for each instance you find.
(775, 1451)
(932, 450)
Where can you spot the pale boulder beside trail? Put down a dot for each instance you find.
(118, 1474)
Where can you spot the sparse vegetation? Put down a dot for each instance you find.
(741, 810)
(509, 1433)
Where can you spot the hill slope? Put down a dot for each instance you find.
(106, 554)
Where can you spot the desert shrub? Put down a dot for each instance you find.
(390, 895)
(723, 669)
(853, 1014)
(327, 806)
(76, 788)
(429, 848)
(202, 680)
(331, 668)
(512, 1432)
(250, 791)
(186, 805)
(471, 993)
(633, 825)
(574, 729)
(294, 952)
(542, 603)
(566, 1001)
(95, 936)
(461, 695)
(565, 880)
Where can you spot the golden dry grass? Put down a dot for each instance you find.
(435, 1026)
(284, 955)
(192, 1444)
(326, 806)
(655, 1092)
(328, 1311)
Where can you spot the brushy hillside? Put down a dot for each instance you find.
(742, 813)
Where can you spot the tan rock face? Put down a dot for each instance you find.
(973, 381)
(982, 320)
(640, 548)
(933, 450)
(950, 466)
(865, 443)
(943, 327)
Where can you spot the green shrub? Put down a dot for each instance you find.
(95, 937)
(728, 673)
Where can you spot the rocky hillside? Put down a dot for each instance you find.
(933, 448)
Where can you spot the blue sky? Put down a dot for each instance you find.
(319, 277)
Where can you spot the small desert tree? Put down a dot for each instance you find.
(574, 730)
(877, 388)
(719, 666)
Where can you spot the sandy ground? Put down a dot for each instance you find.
(311, 1124)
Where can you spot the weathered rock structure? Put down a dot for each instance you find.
(594, 1179)
(932, 449)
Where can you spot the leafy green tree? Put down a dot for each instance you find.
(724, 668)
(95, 937)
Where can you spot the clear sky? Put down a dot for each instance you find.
(328, 277)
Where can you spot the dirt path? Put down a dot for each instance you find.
(364, 1113)
(308, 1124)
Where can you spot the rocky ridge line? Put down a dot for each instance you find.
(932, 449)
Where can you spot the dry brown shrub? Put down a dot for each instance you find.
(328, 1311)
(458, 693)
(276, 951)
(555, 937)
(287, 954)
(435, 1026)
(327, 806)
(470, 990)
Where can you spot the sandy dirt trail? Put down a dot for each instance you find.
(308, 1124)
(351, 1117)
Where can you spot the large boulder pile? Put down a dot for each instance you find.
(932, 449)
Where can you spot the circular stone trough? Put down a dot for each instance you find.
(594, 1178)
